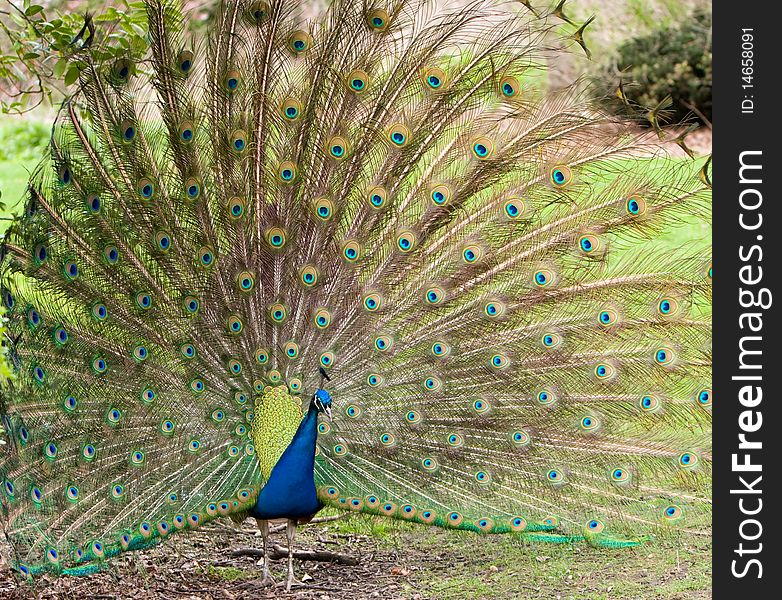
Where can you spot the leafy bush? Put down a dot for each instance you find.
(675, 61)
(23, 140)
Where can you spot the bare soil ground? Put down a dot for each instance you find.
(395, 561)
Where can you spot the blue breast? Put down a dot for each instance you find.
(290, 491)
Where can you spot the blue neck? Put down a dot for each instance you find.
(290, 491)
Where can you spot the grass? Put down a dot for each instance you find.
(460, 565)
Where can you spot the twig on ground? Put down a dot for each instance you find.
(279, 552)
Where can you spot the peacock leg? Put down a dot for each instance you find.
(291, 531)
(264, 527)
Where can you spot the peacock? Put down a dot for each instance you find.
(370, 261)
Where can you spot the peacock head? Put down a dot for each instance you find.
(322, 403)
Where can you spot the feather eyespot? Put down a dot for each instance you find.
(515, 208)
(377, 19)
(186, 132)
(377, 197)
(327, 359)
(620, 476)
(455, 440)
(374, 379)
(635, 206)
(338, 147)
(140, 353)
(607, 317)
(187, 350)
(322, 318)
(551, 340)
(555, 477)
(520, 438)
(191, 304)
(440, 195)
(440, 349)
(664, 356)
(358, 81)
(406, 241)
(278, 313)
(499, 361)
(113, 416)
(372, 302)
(162, 241)
(494, 309)
(128, 130)
(121, 70)
(299, 42)
(429, 464)
(413, 417)
(245, 282)
(309, 276)
(560, 176)
(235, 324)
(543, 278)
(276, 237)
(94, 203)
(111, 254)
(40, 254)
(99, 365)
(206, 256)
(33, 318)
(589, 423)
(231, 81)
(287, 172)
(383, 343)
(235, 366)
(236, 208)
(546, 397)
(472, 254)
(192, 188)
(238, 141)
(146, 189)
(704, 398)
(509, 87)
(604, 371)
(258, 11)
(589, 244)
(291, 349)
(351, 251)
(434, 295)
(688, 460)
(323, 209)
(672, 513)
(184, 62)
(291, 109)
(480, 406)
(594, 526)
(649, 403)
(432, 383)
(482, 148)
(434, 78)
(667, 307)
(72, 493)
(399, 135)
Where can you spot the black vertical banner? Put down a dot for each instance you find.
(747, 263)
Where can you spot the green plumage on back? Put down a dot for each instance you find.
(277, 416)
(387, 195)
